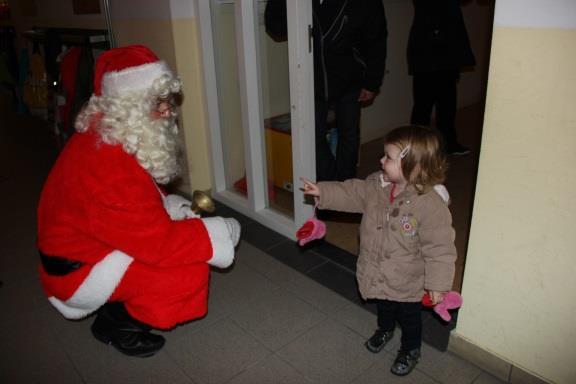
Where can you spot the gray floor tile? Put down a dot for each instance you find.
(486, 378)
(338, 279)
(217, 353)
(104, 365)
(271, 370)
(447, 368)
(233, 289)
(31, 353)
(337, 255)
(264, 264)
(314, 293)
(355, 318)
(262, 237)
(329, 353)
(20, 296)
(101, 363)
(364, 323)
(380, 373)
(19, 258)
(278, 318)
(296, 257)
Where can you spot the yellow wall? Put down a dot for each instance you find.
(162, 26)
(519, 281)
(176, 41)
(193, 121)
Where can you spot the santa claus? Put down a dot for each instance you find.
(110, 239)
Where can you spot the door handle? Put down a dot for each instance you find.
(310, 38)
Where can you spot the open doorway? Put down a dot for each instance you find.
(392, 108)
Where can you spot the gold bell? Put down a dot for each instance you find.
(201, 202)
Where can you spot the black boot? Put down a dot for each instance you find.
(405, 362)
(114, 325)
(378, 340)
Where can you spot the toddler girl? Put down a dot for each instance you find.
(406, 235)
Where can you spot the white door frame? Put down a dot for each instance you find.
(301, 110)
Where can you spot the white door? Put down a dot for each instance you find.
(260, 100)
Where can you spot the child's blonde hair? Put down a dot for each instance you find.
(423, 162)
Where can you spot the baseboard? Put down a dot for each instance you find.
(491, 363)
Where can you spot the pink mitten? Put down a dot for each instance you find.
(451, 300)
(312, 229)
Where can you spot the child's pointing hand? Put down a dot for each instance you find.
(310, 188)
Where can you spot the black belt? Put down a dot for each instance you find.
(58, 266)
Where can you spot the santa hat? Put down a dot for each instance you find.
(127, 69)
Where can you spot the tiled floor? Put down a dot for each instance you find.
(270, 320)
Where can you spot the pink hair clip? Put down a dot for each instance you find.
(312, 229)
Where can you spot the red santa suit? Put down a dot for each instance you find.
(101, 209)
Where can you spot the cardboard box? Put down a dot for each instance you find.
(279, 151)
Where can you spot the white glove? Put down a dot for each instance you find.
(234, 229)
(178, 208)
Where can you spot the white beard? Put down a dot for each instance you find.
(152, 141)
(128, 121)
(158, 150)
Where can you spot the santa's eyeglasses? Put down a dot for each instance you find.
(165, 104)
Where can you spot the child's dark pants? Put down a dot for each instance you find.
(408, 315)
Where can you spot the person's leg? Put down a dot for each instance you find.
(113, 325)
(446, 106)
(387, 311)
(423, 98)
(347, 113)
(151, 297)
(325, 163)
(410, 320)
(164, 297)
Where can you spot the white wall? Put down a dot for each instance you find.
(519, 280)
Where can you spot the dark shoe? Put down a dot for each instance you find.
(114, 326)
(405, 362)
(457, 150)
(378, 340)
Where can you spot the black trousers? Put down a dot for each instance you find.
(408, 316)
(436, 89)
(347, 116)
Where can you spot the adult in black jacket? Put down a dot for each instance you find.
(349, 61)
(438, 49)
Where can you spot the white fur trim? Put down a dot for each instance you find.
(97, 288)
(222, 246)
(382, 182)
(133, 78)
(178, 207)
(443, 192)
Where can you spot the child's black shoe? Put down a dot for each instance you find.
(378, 340)
(405, 362)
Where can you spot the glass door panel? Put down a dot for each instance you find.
(223, 15)
(273, 61)
(259, 100)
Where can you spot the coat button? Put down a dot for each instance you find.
(379, 227)
(387, 256)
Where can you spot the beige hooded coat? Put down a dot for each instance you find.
(406, 245)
